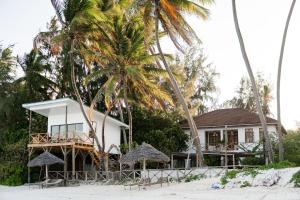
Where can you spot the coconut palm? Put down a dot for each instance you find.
(280, 142)
(169, 14)
(255, 90)
(131, 73)
(78, 19)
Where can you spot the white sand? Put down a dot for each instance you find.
(194, 190)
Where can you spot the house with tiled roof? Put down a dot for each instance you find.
(242, 129)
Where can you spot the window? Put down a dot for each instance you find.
(261, 134)
(249, 135)
(60, 130)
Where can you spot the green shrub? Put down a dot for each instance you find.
(296, 179)
(11, 173)
(192, 178)
(228, 175)
(253, 161)
(279, 165)
(292, 147)
(250, 171)
(245, 184)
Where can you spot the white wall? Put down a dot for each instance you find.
(112, 130)
(241, 134)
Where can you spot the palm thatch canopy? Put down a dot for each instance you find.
(144, 152)
(45, 158)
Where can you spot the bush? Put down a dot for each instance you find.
(296, 179)
(253, 161)
(278, 165)
(192, 178)
(291, 144)
(11, 173)
(245, 184)
(228, 175)
(250, 171)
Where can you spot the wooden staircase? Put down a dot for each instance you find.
(97, 158)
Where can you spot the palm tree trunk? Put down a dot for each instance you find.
(130, 123)
(279, 131)
(73, 82)
(122, 120)
(193, 128)
(249, 69)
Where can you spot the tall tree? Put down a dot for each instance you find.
(131, 72)
(169, 14)
(245, 97)
(78, 19)
(280, 141)
(198, 86)
(255, 91)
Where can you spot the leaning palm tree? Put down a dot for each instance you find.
(78, 19)
(169, 14)
(279, 132)
(132, 76)
(255, 90)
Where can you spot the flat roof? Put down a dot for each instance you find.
(44, 107)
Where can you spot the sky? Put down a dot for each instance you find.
(261, 22)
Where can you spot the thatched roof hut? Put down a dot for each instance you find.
(144, 152)
(45, 158)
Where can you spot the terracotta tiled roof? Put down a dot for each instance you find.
(230, 117)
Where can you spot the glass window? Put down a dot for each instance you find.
(261, 134)
(54, 131)
(79, 127)
(71, 128)
(249, 135)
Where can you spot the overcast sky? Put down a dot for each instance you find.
(261, 21)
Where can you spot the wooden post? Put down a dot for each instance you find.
(233, 161)
(73, 162)
(226, 143)
(172, 161)
(29, 150)
(65, 147)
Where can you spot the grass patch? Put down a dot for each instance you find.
(296, 179)
(228, 175)
(278, 165)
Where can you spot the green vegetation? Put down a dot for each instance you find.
(192, 178)
(245, 184)
(229, 175)
(278, 165)
(292, 147)
(251, 172)
(296, 179)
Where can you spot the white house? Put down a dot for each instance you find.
(243, 129)
(67, 111)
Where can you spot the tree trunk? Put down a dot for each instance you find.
(130, 123)
(73, 82)
(122, 120)
(103, 129)
(193, 128)
(279, 132)
(249, 69)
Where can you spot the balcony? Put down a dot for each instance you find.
(77, 138)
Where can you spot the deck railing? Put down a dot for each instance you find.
(77, 137)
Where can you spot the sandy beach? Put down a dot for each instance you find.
(193, 190)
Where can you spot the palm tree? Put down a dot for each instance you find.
(169, 14)
(280, 142)
(252, 79)
(78, 19)
(131, 73)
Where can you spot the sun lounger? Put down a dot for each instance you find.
(52, 182)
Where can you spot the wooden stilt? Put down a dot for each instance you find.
(30, 149)
(226, 144)
(73, 162)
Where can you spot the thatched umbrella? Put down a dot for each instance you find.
(144, 152)
(45, 158)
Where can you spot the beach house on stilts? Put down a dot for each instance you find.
(68, 136)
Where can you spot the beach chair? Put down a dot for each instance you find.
(52, 182)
